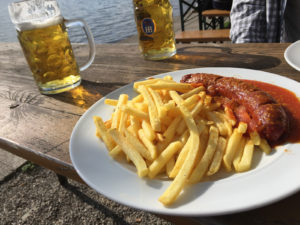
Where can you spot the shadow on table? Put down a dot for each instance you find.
(206, 56)
(87, 93)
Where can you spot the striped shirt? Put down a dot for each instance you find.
(263, 21)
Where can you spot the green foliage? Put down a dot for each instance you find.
(227, 24)
(28, 166)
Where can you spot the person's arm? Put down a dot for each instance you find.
(248, 21)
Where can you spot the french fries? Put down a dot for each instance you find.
(131, 152)
(117, 115)
(205, 161)
(233, 144)
(245, 162)
(153, 111)
(218, 155)
(163, 158)
(102, 131)
(175, 129)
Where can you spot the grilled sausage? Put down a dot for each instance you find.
(268, 117)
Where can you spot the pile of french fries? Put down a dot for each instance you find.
(176, 129)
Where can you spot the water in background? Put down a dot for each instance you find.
(109, 20)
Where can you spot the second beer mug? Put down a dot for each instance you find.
(154, 23)
(43, 37)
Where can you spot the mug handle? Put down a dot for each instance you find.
(92, 53)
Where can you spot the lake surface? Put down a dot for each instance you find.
(109, 20)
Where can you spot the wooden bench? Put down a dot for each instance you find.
(217, 17)
(202, 36)
(216, 12)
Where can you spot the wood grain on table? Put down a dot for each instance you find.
(38, 127)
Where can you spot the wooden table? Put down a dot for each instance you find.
(38, 127)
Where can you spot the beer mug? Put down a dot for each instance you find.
(154, 22)
(43, 37)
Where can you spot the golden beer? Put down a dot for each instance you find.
(155, 28)
(49, 54)
(43, 37)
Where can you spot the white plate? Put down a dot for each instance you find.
(274, 177)
(292, 55)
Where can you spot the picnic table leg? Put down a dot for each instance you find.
(200, 15)
(221, 22)
(62, 179)
(214, 22)
(181, 15)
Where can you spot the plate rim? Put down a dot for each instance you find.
(287, 57)
(168, 212)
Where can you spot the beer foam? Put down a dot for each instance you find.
(34, 14)
(39, 23)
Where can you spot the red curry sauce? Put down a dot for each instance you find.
(290, 102)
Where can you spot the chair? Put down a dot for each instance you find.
(217, 18)
(192, 7)
(202, 35)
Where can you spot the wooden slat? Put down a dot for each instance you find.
(203, 36)
(215, 12)
(44, 160)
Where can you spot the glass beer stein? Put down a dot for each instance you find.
(43, 37)
(154, 22)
